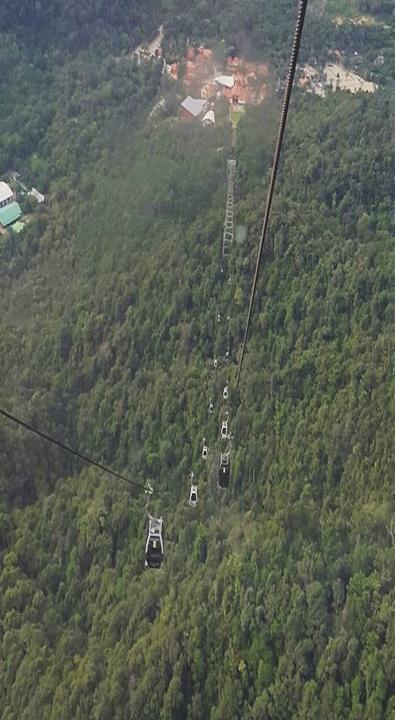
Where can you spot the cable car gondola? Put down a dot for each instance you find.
(204, 450)
(224, 470)
(224, 430)
(154, 549)
(193, 496)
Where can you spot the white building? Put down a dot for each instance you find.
(225, 80)
(7, 196)
(340, 78)
(192, 107)
(209, 119)
(37, 195)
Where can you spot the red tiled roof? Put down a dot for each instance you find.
(234, 61)
(190, 71)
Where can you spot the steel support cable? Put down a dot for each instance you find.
(147, 489)
(280, 137)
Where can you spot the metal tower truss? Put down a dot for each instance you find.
(227, 238)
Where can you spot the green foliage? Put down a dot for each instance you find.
(276, 599)
(74, 26)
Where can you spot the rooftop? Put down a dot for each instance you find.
(5, 191)
(338, 76)
(37, 195)
(10, 213)
(226, 80)
(193, 105)
(209, 117)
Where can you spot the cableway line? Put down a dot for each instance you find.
(48, 438)
(280, 137)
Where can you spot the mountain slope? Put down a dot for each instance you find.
(276, 598)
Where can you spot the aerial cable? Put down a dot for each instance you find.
(280, 137)
(146, 488)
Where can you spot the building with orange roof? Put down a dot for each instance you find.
(174, 71)
(205, 53)
(190, 72)
(234, 63)
(208, 89)
(238, 91)
(199, 65)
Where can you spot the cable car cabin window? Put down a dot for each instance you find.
(154, 554)
(154, 557)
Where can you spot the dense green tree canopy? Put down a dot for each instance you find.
(276, 599)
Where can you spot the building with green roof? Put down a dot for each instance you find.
(9, 213)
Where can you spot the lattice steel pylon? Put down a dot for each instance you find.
(227, 238)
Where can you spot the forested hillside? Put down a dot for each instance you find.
(276, 597)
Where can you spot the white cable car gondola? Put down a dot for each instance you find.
(204, 450)
(215, 362)
(224, 470)
(211, 407)
(224, 430)
(154, 548)
(193, 496)
(219, 317)
(226, 392)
